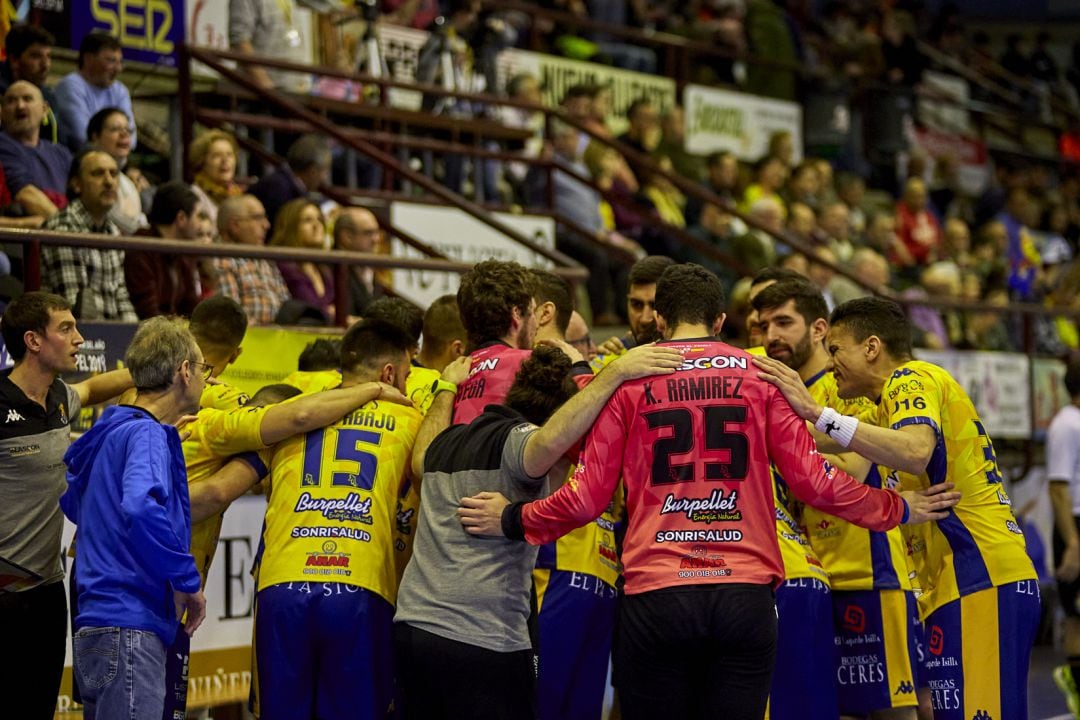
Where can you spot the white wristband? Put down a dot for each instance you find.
(840, 428)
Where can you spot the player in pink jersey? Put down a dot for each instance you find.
(697, 628)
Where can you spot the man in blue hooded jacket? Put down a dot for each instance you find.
(127, 492)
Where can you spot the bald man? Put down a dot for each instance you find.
(36, 170)
(357, 229)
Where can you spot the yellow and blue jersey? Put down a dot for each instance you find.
(854, 557)
(979, 545)
(331, 514)
(222, 396)
(313, 381)
(418, 387)
(215, 436)
(796, 552)
(590, 549)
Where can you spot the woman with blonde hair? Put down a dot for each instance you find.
(300, 224)
(213, 158)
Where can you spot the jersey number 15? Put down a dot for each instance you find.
(351, 466)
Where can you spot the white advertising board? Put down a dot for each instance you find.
(463, 238)
(997, 384)
(736, 122)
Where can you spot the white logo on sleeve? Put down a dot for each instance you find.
(13, 416)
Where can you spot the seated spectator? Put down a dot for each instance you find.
(722, 178)
(92, 87)
(987, 330)
(769, 177)
(357, 229)
(851, 190)
(941, 329)
(643, 133)
(956, 243)
(213, 160)
(719, 228)
(835, 225)
(804, 186)
(36, 170)
(110, 130)
(91, 279)
(673, 145)
(917, 228)
(524, 88)
(870, 267)
(301, 225)
(308, 167)
(664, 196)
(29, 58)
(782, 148)
(822, 274)
(163, 283)
(621, 208)
(802, 223)
(629, 56)
(255, 283)
(1019, 216)
(756, 249)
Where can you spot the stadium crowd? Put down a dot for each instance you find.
(465, 501)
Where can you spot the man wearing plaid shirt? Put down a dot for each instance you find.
(256, 284)
(91, 279)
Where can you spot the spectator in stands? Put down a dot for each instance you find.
(417, 14)
(769, 177)
(91, 279)
(256, 284)
(881, 236)
(722, 178)
(662, 193)
(301, 225)
(213, 160)
(904, 63)
(643, 133)
(164, 283)
(851, 190)
(782, 148)
(822, 274)
(719, 228)
(956, 243)
(268, 28)
(36, 170)
(941, 329)
(357, 229)
(29, 58)
(1013, 59)
(92, 87)
(1043, 65)
(673, 145)
(580, 204)
(633, 57)
(917, 229)
(1019, 216)
(524, 88)
(804, 186)
(769, 33)
(308, 167)
(835, 225)
(110, 130)
(756, 249)
(802, 223)
(870, 267)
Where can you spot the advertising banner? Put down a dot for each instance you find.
(736, 122)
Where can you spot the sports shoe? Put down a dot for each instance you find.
(1063, 678)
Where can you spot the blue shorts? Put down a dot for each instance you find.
(322, 650)
(803, 683)
(875, 649)
(979, 649)
(576, 621)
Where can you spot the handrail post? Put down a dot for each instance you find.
(32, 265)
(341, 294)
(187, 109)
